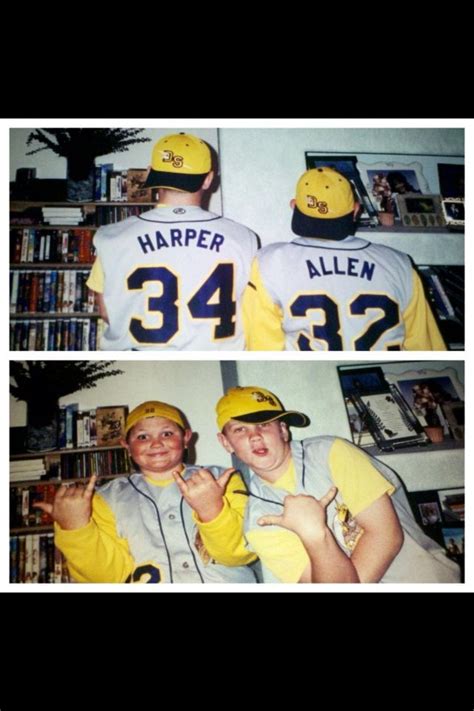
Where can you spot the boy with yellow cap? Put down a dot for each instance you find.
(173, 277)
(346, 514)
(139, 528)
(329, 290)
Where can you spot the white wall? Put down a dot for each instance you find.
(260, 169)
(192, 387)
(312, 387)
(50, 165)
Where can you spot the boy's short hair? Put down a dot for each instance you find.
(179, 161)
(324, 205)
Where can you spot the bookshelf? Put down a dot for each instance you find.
(33, 556)
(51, 307)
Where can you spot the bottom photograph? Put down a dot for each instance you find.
(236, 472)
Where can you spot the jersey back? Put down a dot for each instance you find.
(348, 295)
(173, 279)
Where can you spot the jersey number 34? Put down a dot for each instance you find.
(222, 309)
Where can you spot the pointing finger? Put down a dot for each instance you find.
(89, 490)
(47, 508)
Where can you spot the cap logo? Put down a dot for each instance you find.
(260, 397)
(313, 202)
(170, 157)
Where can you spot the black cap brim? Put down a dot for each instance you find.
(338, 228)
(175, 181)
(292, 418)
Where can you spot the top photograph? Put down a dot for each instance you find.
(233, 239)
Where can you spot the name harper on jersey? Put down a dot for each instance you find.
(181, 238)
(345, 266)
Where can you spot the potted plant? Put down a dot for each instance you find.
(41, 383)
(81, 146)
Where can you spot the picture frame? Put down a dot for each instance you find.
(420, 211)
(380, 409)
(453, 211)
(110, 424)
(411, 172)
(430, 513)
(452, 504)
(453, 538)
(347, 166)
(430, 394)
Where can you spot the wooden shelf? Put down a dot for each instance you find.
(33, 315)
(77, 450)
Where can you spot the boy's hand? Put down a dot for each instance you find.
(72, 506)
(304, 515)
(203, 493)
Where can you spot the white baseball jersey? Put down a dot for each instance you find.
(312, 294)
(174, 279)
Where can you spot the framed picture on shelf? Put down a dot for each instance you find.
(110, 423)
(383, 180)
(451, 502)
(454, 541)
(453, 211)
(347, 165)
(380, 410)
(429, 513)
(420, 211)
(430, 395)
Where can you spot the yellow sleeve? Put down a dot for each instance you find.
(223, 537)
(261, 317)
(95, 553)
(358, 481)
(422, 332)
(96, 279)
(281, 552)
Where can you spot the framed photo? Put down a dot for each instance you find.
(454, 541)
(451, 502)
(420, 211)
(429, 513)
(453, 211)
(110, 423)
(430, 395)
(384, 180)
(347, 165)
(444, 288)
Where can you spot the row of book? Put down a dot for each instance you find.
(62, 215)
(27, 469)
(121, 185)
(108, 214)
(51, 291)
(97, 427)
(35, 559)
(72, 334)
(106, 463)
(53, 246)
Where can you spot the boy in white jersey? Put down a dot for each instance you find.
(349, 517)
(173, 277)
(330, 290)
(137, 528)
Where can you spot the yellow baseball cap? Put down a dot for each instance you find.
(154, 408)
(179, 161)
(324, 204)
(255, 405)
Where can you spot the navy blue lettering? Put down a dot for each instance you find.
(367, 271)
(145, 243)
(312, 271)
(176, 237)
(351, 263)
(217, 241)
